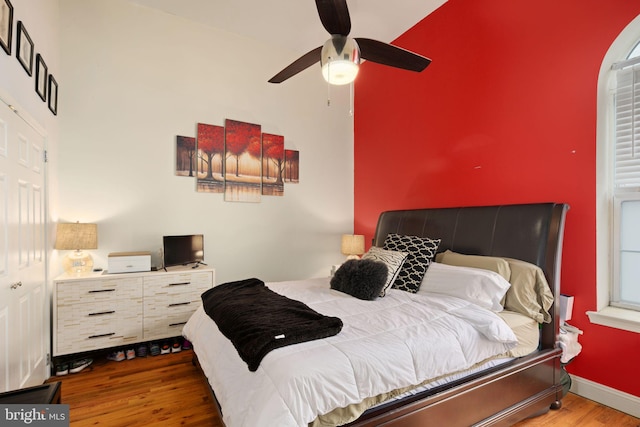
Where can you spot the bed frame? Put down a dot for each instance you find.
(523, 388)
(508, 393)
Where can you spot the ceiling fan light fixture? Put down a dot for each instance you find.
(340, 59)
(340, 56)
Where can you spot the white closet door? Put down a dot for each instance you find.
(24, 308)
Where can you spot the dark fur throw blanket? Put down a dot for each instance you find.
(257, 320)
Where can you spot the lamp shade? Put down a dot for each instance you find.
(76, 236)
(340, 59)
(352, 245)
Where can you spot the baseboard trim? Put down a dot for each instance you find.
(608, 396)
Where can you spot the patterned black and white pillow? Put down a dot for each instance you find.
(392, 259)
(421, 252)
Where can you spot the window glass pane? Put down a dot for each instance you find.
(635, 52)
(630, 277)
(630, 225)
(629, 284)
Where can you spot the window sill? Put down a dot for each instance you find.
(620, 318)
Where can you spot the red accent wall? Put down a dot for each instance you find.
(506, 113)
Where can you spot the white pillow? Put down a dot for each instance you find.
(481, 287)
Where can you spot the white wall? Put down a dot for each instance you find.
(135, 78)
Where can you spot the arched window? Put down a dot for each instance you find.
(624, 145)
(618, 184)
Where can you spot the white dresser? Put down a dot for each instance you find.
(100, 310)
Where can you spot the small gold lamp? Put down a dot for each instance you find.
(352, 245)
(76, 237)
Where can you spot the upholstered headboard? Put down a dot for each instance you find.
(529, 232)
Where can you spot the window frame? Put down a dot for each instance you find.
(606, 313)
(625, 179)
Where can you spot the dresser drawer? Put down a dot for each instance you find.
(163, 302)
(94, 325)
(93, 311)
(184, 286)
(166, 323)
(79, 343)
(104, 289)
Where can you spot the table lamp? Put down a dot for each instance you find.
(76, 237)
(352, 245)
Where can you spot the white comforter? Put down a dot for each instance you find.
(393, 342)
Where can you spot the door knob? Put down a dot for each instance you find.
(16, 285)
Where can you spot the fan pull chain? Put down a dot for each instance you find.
(329, 84)
(351, 98)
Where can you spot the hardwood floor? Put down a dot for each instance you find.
(578, 411)
(169, 390)
(165, 389)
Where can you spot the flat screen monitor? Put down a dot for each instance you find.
(183, 250)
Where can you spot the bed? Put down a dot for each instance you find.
(500, 387)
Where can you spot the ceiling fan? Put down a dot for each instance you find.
(340, 55)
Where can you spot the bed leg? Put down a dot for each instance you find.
(556, 405)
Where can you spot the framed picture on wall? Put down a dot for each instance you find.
(6, 25)
(24, 49)
(41, 77)
(53, 95)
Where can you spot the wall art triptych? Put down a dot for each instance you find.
(237, 160)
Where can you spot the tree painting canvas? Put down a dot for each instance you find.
(243, 160)
(237, 160)
(272, 165)
(210, 164)
(292, 166)
(185, 155)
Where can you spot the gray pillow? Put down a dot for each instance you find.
(360, 278)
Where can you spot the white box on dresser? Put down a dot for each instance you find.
(128, 262)
(100, 310)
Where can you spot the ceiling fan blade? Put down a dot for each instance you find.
(393, 56)
(300, 64)
(334, 15)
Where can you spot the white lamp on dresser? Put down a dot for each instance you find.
(352, 245)
(77, 237)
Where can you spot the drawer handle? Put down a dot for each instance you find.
(100, 313)
(177, 324)
(180, 284)
(102, 335)
(175, 304)
(101, 290)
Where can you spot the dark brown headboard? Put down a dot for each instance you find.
(529, 232)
